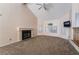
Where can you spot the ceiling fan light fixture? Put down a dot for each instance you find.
(43, 5)
(24, 3)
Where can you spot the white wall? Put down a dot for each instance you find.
(14, 15)
(65, 32)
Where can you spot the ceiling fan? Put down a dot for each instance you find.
(43, 5)
(24, 3)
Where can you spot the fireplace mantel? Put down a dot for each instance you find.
(19, 29)
(19, 32)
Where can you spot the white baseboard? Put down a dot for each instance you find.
(74, 45)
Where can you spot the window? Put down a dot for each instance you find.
(52, 28)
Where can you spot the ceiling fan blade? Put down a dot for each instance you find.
(44, 6)
(40, 8)
(38, 4)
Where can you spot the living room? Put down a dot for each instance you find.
(38, 22)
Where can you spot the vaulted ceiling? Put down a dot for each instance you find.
(54, 10)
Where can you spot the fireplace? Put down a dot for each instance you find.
(26, 34)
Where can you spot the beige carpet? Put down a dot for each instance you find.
(40, 45)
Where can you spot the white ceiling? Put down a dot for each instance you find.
(55, 10)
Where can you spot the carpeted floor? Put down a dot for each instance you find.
(40, 45)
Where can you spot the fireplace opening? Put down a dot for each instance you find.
(26, 34)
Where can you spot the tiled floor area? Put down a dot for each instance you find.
(40, 45)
